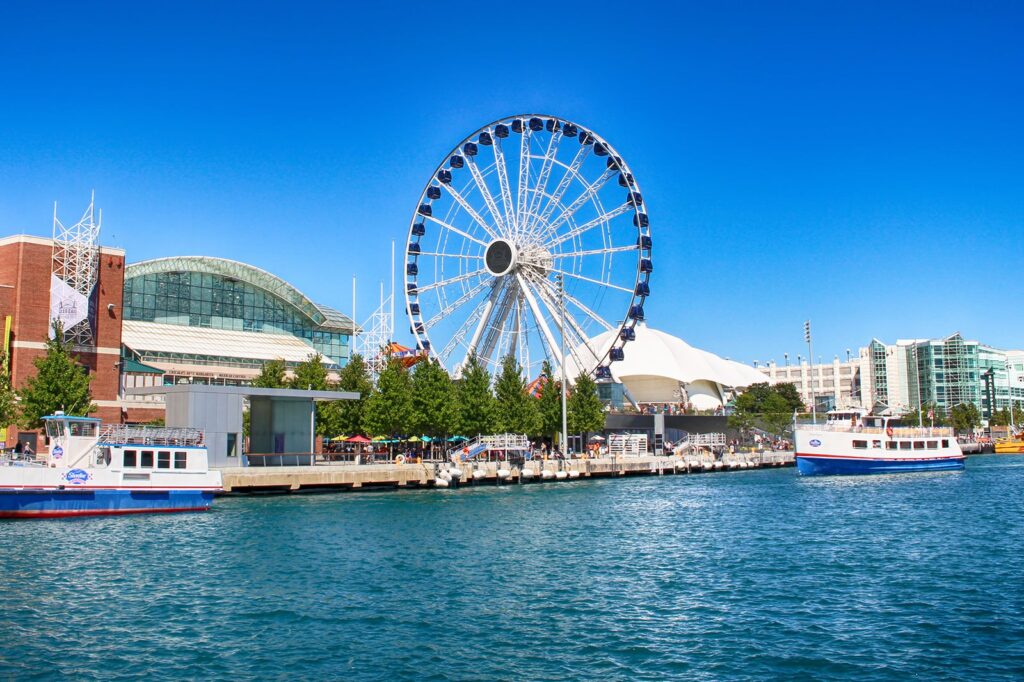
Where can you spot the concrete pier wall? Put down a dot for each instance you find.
(355, 477)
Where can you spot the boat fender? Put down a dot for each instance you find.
(400, 459)
(888, 431)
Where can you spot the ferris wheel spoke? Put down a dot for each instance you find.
(451, 280)
(495, 332)
(550, 286)
(542, 324)
(497, 288)
(593, 281)
(591, 224)
(542, 178)
(593, 252)
(563, 184)
(456, 230)
(469, 208)
(591, 190)
(503, 184)
(524, 178)
(450, 255)
(485, 192)
(459, 335)
(571, 328)
(456, 304)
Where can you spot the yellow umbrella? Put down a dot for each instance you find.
(338, 439)
(414, 439)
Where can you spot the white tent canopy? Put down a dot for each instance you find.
(657, 365)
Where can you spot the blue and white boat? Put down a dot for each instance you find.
(94, 470)
(855, 442)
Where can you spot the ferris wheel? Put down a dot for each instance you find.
(532, 235)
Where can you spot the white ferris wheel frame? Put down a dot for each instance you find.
(529, 219)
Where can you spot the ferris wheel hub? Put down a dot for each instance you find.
(500, 257)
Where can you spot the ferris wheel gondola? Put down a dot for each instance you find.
(530, 235)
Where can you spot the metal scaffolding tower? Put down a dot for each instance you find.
(75, 273)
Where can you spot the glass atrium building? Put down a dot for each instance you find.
(212, 320)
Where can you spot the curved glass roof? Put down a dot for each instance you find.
(317, 314)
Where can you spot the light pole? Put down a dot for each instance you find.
(786, 357)
(810, 368)
(564, 440)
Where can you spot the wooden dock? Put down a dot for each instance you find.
(327, 477)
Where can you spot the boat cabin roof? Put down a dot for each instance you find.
(66, 417)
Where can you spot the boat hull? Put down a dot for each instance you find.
(1009, 447)
(77, 502)
(818, 465)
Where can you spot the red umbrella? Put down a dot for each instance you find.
(358, 439)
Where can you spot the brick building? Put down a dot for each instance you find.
(26, 263)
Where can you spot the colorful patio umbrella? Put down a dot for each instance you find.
(358, 439)
(338, 439)
(414, 439)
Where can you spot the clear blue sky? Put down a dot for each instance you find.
(861, 164)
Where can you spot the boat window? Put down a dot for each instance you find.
(86, 429)
(130, 458)
(890, 445)
(54, 428)
(876, 444)
(932, 445)
(860, 444)
(180, 460)
(919, 445)
(147, 459)
(904, 445)
(163, 460)
(945, 443)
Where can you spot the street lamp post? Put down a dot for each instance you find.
(564, 440)
(810, 368)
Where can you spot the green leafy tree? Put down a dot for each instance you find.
(777, 413)
(271, 375)
(435, 410)
(550, 403)
(518, 411)
(586, 411)
(355, 377)
(965, 417)
(60, 383)
(310, 374)
(8, 398)
(1002, 417)
(770, 406)
(477, 406)
(913, 417)
(388, 409)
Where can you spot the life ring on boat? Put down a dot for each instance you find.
(400, 459)
(888, 431)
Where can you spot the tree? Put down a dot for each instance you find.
(1002, 417)
(913, 417)
(60, 383)
(518, 411)
(389, 407)
(8, 398)
(310, 374)
(550, 402)
(435, 412)
(777, 413)
(355, 377)
(477, 406)
(965, 417)
(770, 406)
(271, 375)
(586, 411)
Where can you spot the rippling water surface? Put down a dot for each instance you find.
(753, 575)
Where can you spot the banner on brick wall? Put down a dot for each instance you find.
(66, 305)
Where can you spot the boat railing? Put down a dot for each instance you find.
(150, 435)
(897, 431)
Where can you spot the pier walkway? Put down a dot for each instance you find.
(324, 477)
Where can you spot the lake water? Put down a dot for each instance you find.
(739, 575)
